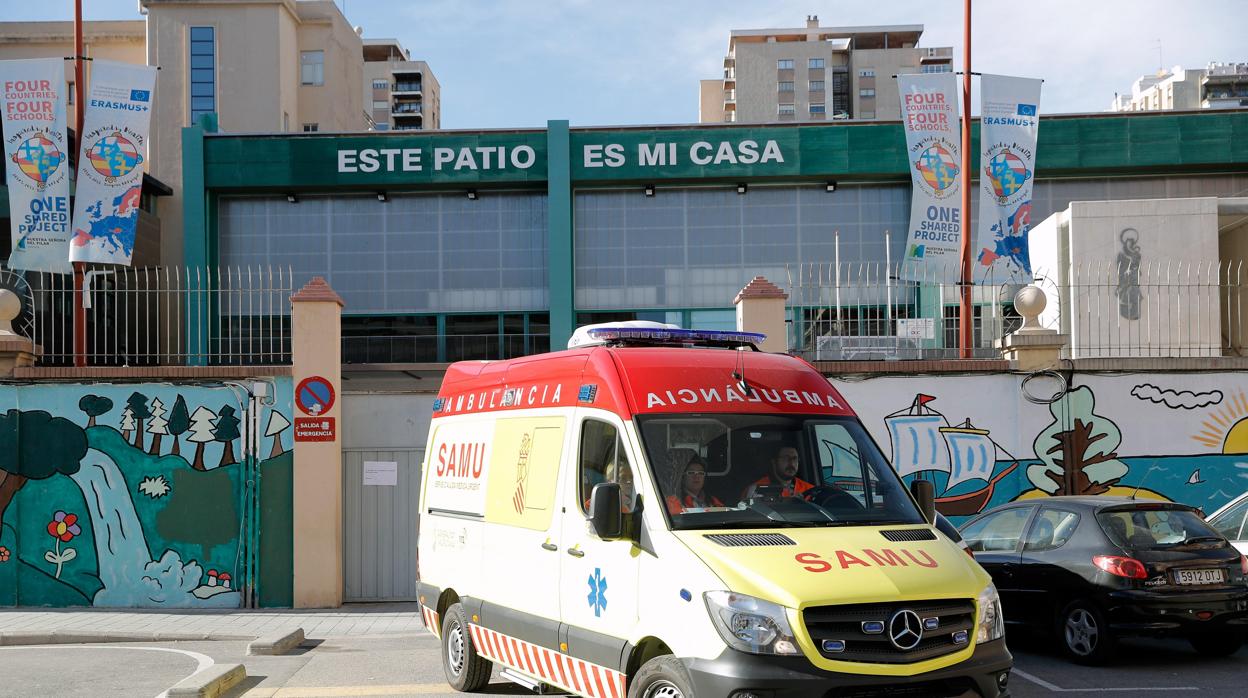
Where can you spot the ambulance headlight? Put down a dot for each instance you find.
(749, 624)
(991, 623)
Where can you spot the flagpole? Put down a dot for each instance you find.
(965, 311)
(80, 318)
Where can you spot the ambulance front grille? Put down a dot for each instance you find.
(899, 535)
(844, 624)
(750, 540)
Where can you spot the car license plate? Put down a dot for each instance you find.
(1210, 576)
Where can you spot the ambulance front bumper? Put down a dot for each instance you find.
(736, 674)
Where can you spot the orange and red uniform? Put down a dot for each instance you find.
(676, 505)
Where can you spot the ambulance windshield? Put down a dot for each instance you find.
(771, 471)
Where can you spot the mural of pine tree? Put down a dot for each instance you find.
(202, 422)
(277, 425)
(137, 402)
(127, 423)
(94, 406)
(227, 431)
(179, 422)
(158, 427)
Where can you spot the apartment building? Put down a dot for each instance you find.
(816, 73)
(1216, 86)
(399, 94)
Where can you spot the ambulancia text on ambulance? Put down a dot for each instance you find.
(666, 512)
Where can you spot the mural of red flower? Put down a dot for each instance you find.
(64, 526)
(4, 554)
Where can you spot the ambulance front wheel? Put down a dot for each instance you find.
(465, 669)
(662, 677)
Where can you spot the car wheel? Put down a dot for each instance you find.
(661, 677)
(1217, 644)
(465, 669)
(1084, 635)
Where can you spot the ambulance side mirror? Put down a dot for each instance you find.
(606, 510)
(925, 494)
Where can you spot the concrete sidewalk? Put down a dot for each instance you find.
(27, 626)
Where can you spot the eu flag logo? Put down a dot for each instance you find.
(1026, 110)
(140, 95)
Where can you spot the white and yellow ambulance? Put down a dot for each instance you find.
(564, 538)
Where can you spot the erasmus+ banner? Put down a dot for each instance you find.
(38, 166)
(929, 113)
(110, 164)
(1010, 121)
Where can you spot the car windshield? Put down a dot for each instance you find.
(719, 471)
(1153, 529)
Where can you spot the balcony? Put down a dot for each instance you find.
(406, 87)
(405, 108)
(936, 55)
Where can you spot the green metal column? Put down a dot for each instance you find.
(559, 258)
(195, 253)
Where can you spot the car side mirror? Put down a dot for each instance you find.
(925, 494)
(606, 510)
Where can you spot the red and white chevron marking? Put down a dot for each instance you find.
(549, 666)
(431, 620)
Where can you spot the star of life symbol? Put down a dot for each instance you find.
(597, 592)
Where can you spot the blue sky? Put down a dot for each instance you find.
(514, 63)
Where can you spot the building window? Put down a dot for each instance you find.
(786, 110)
(816, 86)
(938, 68)
(785, 86)
(380, 105)
(309, 128)
(203, 69)
(784, 64)
(866, 73)
(817, 108)
(815, 63)
(312, 67)
(381, 84)
(867, 93)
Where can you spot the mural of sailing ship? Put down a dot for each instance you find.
(925, 444)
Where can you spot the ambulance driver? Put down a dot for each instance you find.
(689, 487)
(782, 474)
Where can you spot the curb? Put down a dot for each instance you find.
(276, 643)
(211, 682)
(73, 637)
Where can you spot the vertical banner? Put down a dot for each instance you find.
(110, 171)
(1009, 123)
(37, 161)
(929, 114)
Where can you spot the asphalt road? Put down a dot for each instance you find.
(410, 666)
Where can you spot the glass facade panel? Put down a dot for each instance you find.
(203, 72)
(695, 248)
(410, 254)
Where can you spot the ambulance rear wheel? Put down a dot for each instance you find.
(662, 677)
(465, 669)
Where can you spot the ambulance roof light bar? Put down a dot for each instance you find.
(643, 332)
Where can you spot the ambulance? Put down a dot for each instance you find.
(667, 513)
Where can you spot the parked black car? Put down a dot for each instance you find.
(1092, 569)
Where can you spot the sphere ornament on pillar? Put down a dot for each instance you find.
(1030, 301)
(10, 308)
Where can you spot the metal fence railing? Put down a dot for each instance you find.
(432, 348)
(1155, 309)
(868, 311)
(160, 316)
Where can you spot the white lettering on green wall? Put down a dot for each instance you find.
(465, 159)
(746, 152)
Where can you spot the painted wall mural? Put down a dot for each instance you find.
(1180, 437)
(134, 496)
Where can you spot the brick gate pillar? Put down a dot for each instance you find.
(316, 348)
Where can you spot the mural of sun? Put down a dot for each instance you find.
(1226, 428)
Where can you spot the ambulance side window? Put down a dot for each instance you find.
(603, 458)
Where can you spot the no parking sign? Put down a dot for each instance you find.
(314, 396)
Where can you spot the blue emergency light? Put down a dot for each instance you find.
(674, 336)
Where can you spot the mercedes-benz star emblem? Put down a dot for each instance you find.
(905, 630)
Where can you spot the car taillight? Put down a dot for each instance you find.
(1243, 565)
(1119, 566)
(971, 554)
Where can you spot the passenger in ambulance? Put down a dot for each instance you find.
(782, 474)
(689, 487)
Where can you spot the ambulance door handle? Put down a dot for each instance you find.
(576, 552)
(549, 546)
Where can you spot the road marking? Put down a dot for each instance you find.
(1058, 689)
(202, 661)
(404, 689)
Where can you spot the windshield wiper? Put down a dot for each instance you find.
(770, 523)
(1202, 539)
